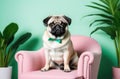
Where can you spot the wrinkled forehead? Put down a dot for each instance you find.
(57, 19)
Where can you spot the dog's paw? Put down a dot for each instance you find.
(45, 69)
(67, 69)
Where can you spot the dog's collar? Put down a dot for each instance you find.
(57, 40)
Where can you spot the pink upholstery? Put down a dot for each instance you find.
(89, 51)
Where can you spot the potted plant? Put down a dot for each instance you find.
(110, 24)
(8, 48)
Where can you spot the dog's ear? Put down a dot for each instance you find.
(45, 21)
(67, 19)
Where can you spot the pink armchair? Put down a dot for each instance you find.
(89, 52)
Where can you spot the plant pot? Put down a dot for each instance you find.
(5, 72)
(116, 73)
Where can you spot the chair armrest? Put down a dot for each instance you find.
(29, 60)
(88, 63)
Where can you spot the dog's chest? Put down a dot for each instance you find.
(57, 55)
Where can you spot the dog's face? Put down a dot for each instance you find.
(57, 25)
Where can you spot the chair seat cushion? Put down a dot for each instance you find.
(51, 74)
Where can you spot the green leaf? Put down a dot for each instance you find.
(115, 4)
(102, 15)
(21, 40)
(9, 32)
(101, 5)
(0, 35)
(110, 30)
(2, 43)
(111, 6)
(10, 40)
(1, 57)
(118, 5)
(0, 38)
(102, 21)
(104, 1)
(99, 8)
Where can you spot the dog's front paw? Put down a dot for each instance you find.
(67, 69)
(45, 69)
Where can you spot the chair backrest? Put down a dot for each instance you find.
(84, 43)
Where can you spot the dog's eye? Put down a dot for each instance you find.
(64, 24)
(51, 24)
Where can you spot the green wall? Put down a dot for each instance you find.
(28, 14)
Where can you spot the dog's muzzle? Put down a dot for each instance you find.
(58, 30)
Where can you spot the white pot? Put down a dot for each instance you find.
(5, 72)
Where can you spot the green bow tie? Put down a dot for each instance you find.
(57, 40)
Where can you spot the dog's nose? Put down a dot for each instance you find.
(58, 26)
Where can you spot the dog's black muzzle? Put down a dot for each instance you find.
(58, 30)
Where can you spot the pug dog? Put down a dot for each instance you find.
(59, 51)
